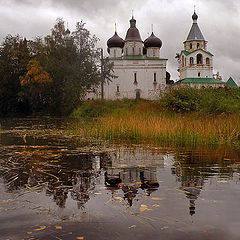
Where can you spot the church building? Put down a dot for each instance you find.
(140, 71)
(195, 61)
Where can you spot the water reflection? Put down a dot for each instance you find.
(60, 172)
(71, 175)
(193, 169)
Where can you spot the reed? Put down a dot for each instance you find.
(145, 124)
(182, 117)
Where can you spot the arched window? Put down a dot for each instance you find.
(207, 61)
(183, 61)
(154, 52)
(133, 50)
(198, 45)
(190, 45)
(199, 59)
(138, 94)
(191, 61)
(199, 74)
(118, 90)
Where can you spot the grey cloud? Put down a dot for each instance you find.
(218, 20)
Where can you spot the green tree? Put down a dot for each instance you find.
(14, 56)
(70, 60)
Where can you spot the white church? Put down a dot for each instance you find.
(141, 71)
(196, 62)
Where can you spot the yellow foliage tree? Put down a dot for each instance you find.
(35, 74)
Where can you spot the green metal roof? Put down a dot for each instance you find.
(231, 83)
(138, 57)
(187, 53)
(200, 80)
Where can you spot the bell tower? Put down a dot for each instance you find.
(195, 61)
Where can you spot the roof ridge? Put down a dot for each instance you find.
(197, 50)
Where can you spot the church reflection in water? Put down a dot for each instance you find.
(76, 174)
(129, 174)
(193, 169)
(131, 180)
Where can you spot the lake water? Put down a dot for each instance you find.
(56, 186)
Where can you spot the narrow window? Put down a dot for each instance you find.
(198, 45)
(154, 52)
(126, 51)
(183, 61)
(191, 60)
(207, 61)
(114, 52)
(133, 50)
(139, 51)
(199, 74)
(118, 89)
(135, 79)
(155, 77)
(190, 45)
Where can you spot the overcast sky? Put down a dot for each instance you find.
(219, 21)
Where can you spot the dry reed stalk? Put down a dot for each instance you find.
(188, 129)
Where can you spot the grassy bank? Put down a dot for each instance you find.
(185, 117)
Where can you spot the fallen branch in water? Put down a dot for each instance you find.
(49, 174)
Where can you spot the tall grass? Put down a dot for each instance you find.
(186, 121)
(180, 130)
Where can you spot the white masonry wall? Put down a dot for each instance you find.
(191, 70)
(125, 86)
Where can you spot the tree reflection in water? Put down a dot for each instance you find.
(58, 173)
(132, 174)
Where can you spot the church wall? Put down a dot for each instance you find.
(142, 71)
(153, 52)
(133, 48)
(115, 52)
(191, 70)
(202, 45)
(201, 85)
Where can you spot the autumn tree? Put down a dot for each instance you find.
(35, 84)
(50, 74)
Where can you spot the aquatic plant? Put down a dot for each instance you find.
(183, 117)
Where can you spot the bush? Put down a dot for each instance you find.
(206, 101)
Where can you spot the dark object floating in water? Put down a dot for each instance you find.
(113, 181)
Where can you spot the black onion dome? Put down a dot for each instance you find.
(152, 41)
(115, 41)
(133, 33)
(194, 16)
